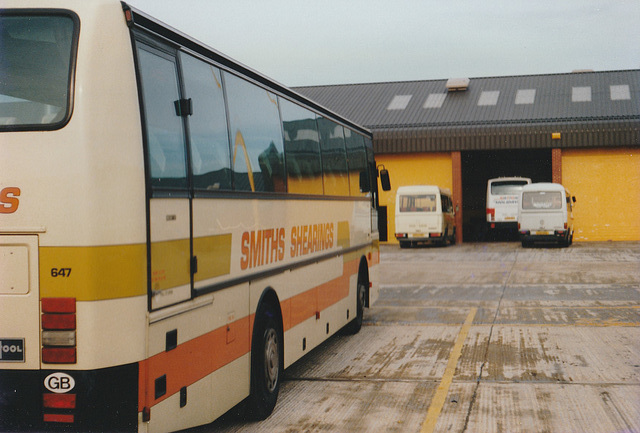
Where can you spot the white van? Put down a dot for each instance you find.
(424, 213)
(503, 196)
(546, 214)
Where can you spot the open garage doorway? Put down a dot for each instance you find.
(480, 166)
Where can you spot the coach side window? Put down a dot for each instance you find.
(334, 158)
(357, 161)
(164, 129)
(208, 134)
(302, 149)
(257, 154)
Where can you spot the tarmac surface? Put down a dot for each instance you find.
(486, 337)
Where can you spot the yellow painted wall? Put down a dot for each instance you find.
(606, 184)
(412, 169)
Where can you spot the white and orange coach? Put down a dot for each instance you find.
(176, 229)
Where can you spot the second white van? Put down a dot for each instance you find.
(424, 214)
(545, 214)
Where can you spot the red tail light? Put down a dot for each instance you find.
(59, 330)
(491, 213)
(58, 305)
(59, 355)
(58, 321)
(58, 417)
(59, 401)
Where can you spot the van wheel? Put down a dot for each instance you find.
(445, 239)
(266, 365)
(404, 244)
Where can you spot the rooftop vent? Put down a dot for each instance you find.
(457, 84)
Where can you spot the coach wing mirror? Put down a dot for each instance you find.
(384, 178)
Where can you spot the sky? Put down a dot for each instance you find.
(328, 42)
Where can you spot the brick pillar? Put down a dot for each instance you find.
(556, 165)
(456, 162)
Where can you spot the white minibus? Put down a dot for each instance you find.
(546, 214)
(503, 194)
(424, 214)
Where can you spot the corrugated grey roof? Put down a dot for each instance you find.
(613, 110)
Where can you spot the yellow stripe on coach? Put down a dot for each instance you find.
(93, 273)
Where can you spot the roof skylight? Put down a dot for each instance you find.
(489, 98)
(525, 96)
(620, 92)
(399, 102)
(581, 94)
(435, 100)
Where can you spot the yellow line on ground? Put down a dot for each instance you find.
(437, 402)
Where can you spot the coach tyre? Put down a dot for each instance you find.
(355, 325)
(266, 365)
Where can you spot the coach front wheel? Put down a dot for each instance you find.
(355, 325)
(266, 366)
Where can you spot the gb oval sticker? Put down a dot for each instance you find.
(59, 383)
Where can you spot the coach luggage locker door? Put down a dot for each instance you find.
(169, 203)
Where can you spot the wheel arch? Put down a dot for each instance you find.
(269, 301)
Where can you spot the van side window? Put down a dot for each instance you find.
(447, 205)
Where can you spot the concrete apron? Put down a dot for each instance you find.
(480, 338)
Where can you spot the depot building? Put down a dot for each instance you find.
(580, 129)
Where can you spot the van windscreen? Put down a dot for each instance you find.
(418, 203)
(542, 200)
